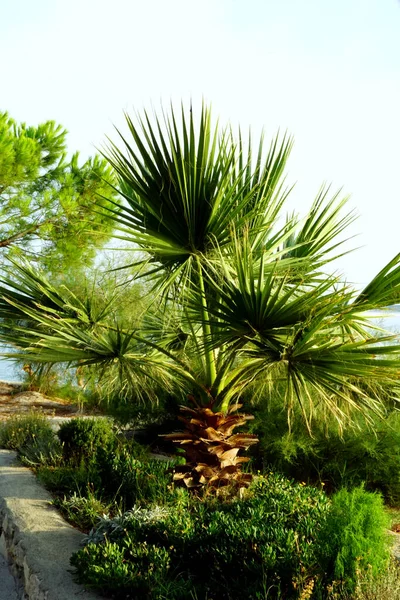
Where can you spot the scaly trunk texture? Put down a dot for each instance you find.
(211, 450)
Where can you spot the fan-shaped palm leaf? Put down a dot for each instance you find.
(314, 330)
(184, 186)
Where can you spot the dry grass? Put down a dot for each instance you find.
(386, 587)
(394, 514)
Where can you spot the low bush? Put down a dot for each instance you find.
(22, 430)
(32, 437)
(128, 477)
(82, 511)
(118, 471)
(82, 437)
(353, 538)
(368, 453)
(131, 569)
(226, 550)
(44, 449)
(67, 481)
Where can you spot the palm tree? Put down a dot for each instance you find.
(251, 294)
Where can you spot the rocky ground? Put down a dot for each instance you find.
(16, 401)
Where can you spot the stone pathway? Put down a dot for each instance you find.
(35, 537)
(7, 584)
(13, 402)
(396, 544)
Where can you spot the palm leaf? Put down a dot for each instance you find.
(184, 186)
(384, 290)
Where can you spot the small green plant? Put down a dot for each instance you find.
(23, 430)
(353, 539)
(63, 480)
(33, 438)
(44, 449)
(128, 569)
(216, 549)
(81, 511)
(129, 479)
(108, 465)
(82, 437)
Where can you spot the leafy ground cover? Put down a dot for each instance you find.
(149, 539)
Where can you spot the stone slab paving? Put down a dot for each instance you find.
(34, 538)
(7, 584)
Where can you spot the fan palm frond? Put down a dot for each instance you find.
(183, 187)
(250, 293)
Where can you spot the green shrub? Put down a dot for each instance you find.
(31, 435)
(66, 481)
(44, 449)
(128, 477)
(82, 437)
(364, 453)
(115, 469)
(353, 539)
(129, 569)
(282, 540)
(81, 511)
(22, 431)
(225, 550)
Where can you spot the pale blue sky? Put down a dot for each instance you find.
(329, 72)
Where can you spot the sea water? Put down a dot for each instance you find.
(10, 370)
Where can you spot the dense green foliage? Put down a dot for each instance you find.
(353, 536)
(81, 510)
(243, 297)
(368, 452)
(278, 540)
(21, 429)
(47, 200)
(136, 480)
(226, 550)
(97, 459)
(272, 543)
(82, 437)
(33, 438)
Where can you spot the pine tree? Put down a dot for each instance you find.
(47, 199)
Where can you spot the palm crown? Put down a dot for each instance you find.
(251, 293)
